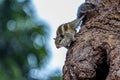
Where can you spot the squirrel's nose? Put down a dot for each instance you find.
(58, 46)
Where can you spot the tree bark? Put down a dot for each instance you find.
(96, 53)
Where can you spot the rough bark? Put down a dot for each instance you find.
(96, 53)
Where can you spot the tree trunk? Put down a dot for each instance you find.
(96, 53)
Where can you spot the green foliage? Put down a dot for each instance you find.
(55, 75)
(22, 40)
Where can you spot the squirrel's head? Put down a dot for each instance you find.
(64, 36)
(64, 40)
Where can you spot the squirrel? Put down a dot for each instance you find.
(66, 32)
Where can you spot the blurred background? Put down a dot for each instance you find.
(27, 29)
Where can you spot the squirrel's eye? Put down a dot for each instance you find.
(62, 36)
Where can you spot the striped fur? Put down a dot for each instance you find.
(65, 33)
